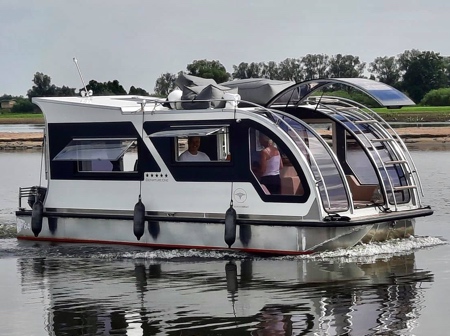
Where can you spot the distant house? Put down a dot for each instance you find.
(7, 104)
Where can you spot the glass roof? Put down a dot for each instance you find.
(384, 94)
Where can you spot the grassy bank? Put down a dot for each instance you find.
(416, 114)
(21, 118)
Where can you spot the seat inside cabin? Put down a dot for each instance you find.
(364, 195)
(290, 181)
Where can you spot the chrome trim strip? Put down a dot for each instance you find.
(276, 221)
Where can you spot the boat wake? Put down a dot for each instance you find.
(379, 249)
(387, 248)
(8, 231)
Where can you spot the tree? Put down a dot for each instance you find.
(347, 66)
(23, 105)
(116, 88)
(98, 89)
(208, 69)
(240, 71)
(165, 84)
(6, 97)
(446, 60)
(42, 86)
(246, 70)
(64, 91)
(315, 65)
(137, 91)
(386, 70)
(107, 88)
(270, 70)
(424, 73)
(405, 58)
(290, 70)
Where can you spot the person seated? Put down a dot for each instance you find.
(192, 153)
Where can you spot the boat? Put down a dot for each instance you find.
(114, 175)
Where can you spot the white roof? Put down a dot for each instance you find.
(124, 103)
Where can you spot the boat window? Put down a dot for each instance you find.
(359, 162)
(276, 174)
(101, 155)
(325, 130)
(213, 145)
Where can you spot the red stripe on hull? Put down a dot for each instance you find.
(164, 246)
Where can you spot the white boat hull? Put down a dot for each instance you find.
(172, 234)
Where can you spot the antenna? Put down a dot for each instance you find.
(85, 92)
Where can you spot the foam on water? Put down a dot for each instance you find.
(362, 251)
(373, 251)
(7, 231)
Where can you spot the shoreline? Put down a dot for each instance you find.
(419, 138)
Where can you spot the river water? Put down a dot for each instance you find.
(394, 288)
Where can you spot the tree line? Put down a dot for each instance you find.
(414, 72)
(423, 75)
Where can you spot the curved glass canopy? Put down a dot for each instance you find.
(383, 94)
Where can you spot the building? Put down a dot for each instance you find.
(7, 104)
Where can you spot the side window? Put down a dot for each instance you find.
(214, 146)
(273, 169)
(101, 155)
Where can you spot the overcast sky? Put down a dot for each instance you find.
(136, 41)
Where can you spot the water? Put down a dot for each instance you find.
(393, 288)
(21, 128)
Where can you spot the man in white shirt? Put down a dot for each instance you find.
(193, 154)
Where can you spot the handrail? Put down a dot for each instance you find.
(370, 155)
(365, 117)
(403, 152)
(402, 144)
(159, 102)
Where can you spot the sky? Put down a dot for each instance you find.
(135, 41)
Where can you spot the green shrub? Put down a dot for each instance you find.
(439, 97)
(23, 105)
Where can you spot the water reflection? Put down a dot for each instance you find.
(243, 296)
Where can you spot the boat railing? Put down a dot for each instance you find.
(367, 118)
(157, 102)
(31, 194)
(389, 132)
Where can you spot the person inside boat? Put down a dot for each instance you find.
(192, 153)
(270, 165)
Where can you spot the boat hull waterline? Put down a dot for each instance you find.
(197, 235)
